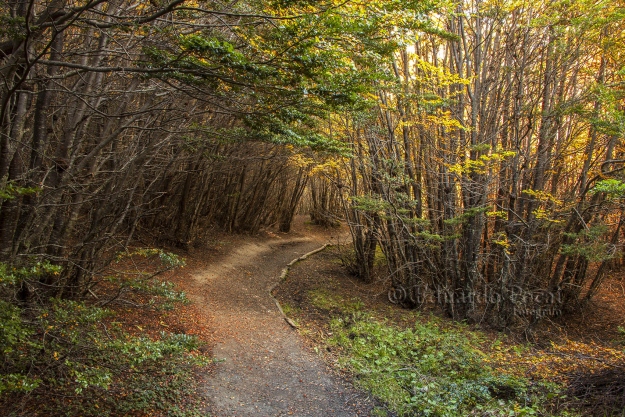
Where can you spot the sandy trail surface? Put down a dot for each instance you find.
(263, 367)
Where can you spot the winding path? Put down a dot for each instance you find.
(264, 369)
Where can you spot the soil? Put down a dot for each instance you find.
(266, 368)
(262, 367)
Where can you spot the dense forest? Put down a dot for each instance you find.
(478, 144)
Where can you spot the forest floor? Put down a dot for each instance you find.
(578, 352)
(262, 367)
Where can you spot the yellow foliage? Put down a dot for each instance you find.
(555, 363)
(481, 164)
(497, 213)
(442, 76)
(445, 119)
(301, 161)
(502, 240)
(542, 214)
(543, 196)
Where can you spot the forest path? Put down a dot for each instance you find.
(263, 367)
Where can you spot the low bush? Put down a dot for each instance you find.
(430, 371)
(70, 357)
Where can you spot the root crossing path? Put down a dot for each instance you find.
(263, 367)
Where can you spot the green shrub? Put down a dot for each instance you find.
(81, 365)
(69, 357)
(429, 371)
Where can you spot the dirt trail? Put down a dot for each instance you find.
(264, 368)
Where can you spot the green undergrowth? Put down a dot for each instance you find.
(73, 357)
(325, 300)
(428, 366)
(67, 360)
(431, 370)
